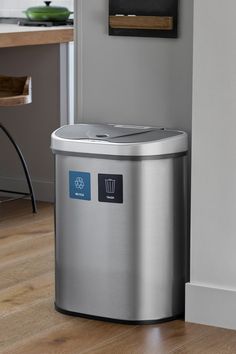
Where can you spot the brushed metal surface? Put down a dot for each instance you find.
(122, 261)
(118, 140)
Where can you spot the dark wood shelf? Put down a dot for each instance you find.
(15, 91)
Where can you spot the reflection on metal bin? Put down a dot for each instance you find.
(120, 221)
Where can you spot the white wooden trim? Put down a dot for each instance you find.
(78, 33)
(210, 305)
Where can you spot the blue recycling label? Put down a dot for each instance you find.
(80, 185)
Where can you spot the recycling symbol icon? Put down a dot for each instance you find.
(79, 183)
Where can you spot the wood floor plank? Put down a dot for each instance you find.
(24, 248)
(19, 212)
(15, 233)
(214, 341)
(26, 269)
(22, 207)
(26, 324)
(152, 339)
(19, 297)
(73, 337)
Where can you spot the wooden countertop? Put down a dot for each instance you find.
(14, 36)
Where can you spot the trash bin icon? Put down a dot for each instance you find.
(110, 186)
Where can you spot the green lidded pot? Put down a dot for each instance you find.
(48, 13)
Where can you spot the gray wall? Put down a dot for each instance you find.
(211, 295)
(31, 125)
(133, 80)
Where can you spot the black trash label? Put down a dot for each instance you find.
(110, 188)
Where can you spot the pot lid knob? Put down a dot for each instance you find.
(47, 3)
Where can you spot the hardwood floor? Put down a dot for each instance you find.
(30, 325)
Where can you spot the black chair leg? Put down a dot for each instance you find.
(24, 165)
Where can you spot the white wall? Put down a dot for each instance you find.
(133, 80)
(14, 8)
(211, 295)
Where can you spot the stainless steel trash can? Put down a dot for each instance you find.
(120, 221)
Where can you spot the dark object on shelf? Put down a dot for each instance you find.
(16, 91)
(26, 22)
(143, 18)
(9, 20)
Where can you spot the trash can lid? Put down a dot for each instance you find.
(118, 140)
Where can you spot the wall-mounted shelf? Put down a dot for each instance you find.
(143, 18)
(142, 22)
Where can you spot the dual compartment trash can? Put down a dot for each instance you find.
(120, 221)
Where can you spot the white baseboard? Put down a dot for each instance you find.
(210, 306)
(44, 190)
